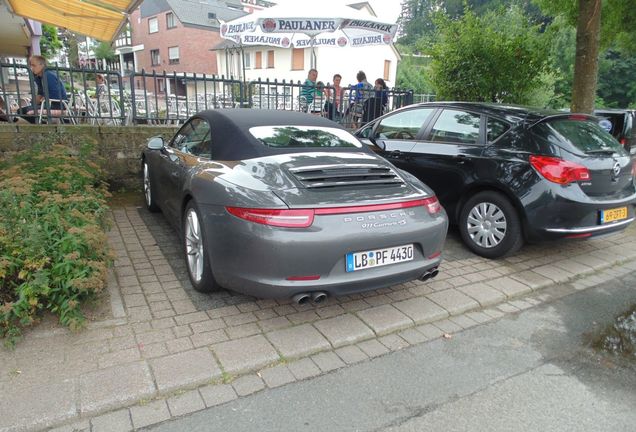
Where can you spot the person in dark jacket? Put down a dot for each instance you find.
(375, 106)
(48, 85)
(382, 92)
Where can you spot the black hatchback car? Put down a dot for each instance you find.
(506, 174)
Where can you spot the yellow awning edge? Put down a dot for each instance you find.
(99, 19)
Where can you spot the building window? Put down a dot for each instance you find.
(247, 60)
(170, 20)
(259, 60)
(387, 70)
(153, 25)
(270, 59)
(298, 59)
(161, 87)
(155, 60)
(173, 55)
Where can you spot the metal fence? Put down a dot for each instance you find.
(171, 98)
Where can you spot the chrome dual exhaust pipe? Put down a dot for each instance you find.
(318, 297)
(315, 297)
(302, 298)
(429, 274)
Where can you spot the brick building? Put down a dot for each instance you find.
(176, 36)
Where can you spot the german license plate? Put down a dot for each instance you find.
(378, 257)
(611, 215)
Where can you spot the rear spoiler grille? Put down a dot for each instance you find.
(346, 175)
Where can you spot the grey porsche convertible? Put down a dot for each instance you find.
(282, 204)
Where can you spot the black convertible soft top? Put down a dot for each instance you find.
(232, 140)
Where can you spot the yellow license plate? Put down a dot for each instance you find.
(611, 215)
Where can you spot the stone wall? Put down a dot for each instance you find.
(117, 148)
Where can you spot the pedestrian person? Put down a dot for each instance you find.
(308, 89)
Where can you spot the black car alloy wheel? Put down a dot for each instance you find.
(197, 258)
(489, 225)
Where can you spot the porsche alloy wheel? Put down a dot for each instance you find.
(196, 253)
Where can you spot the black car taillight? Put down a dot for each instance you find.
(558, 170)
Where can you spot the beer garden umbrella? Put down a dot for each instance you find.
(296, 25)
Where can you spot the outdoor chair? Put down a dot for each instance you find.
(61, 115)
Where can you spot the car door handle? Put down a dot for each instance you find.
(396, 154)
(461, 159)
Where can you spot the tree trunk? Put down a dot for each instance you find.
(588, 33)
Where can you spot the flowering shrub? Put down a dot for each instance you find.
(53, 249)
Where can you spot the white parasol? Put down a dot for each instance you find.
(296, 24)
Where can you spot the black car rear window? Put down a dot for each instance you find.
(583, 135)
(304, 136)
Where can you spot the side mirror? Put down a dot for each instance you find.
(155, 143)
(379, 143)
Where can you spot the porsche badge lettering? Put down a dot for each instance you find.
(382, 220)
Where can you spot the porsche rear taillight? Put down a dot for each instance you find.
(432, 205)
(299, 218)
(303, 218)
(558, 170)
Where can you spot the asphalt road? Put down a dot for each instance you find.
(530, 371)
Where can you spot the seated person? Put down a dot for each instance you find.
(3, 113)
(54, 89)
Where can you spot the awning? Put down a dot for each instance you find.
(99, 19)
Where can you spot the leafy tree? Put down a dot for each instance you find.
(50, 44)
(104, 51)
(617, 80)
(498, 57)
(599, 25)
(561, 53)
(413, 73)
(419, 20)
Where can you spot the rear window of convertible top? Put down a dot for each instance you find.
(304, 136)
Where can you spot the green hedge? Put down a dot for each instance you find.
(53, 248)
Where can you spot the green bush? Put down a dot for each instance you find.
(53, 248)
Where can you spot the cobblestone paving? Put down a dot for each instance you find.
(179, 351)
(167, 240)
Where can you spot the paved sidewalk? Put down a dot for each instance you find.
(167, 350)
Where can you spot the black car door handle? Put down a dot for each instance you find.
(395, 154)
(461, 158)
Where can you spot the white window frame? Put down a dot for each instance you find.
(153, 25)
(170, 19)
(152, 62)
(173, 59)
